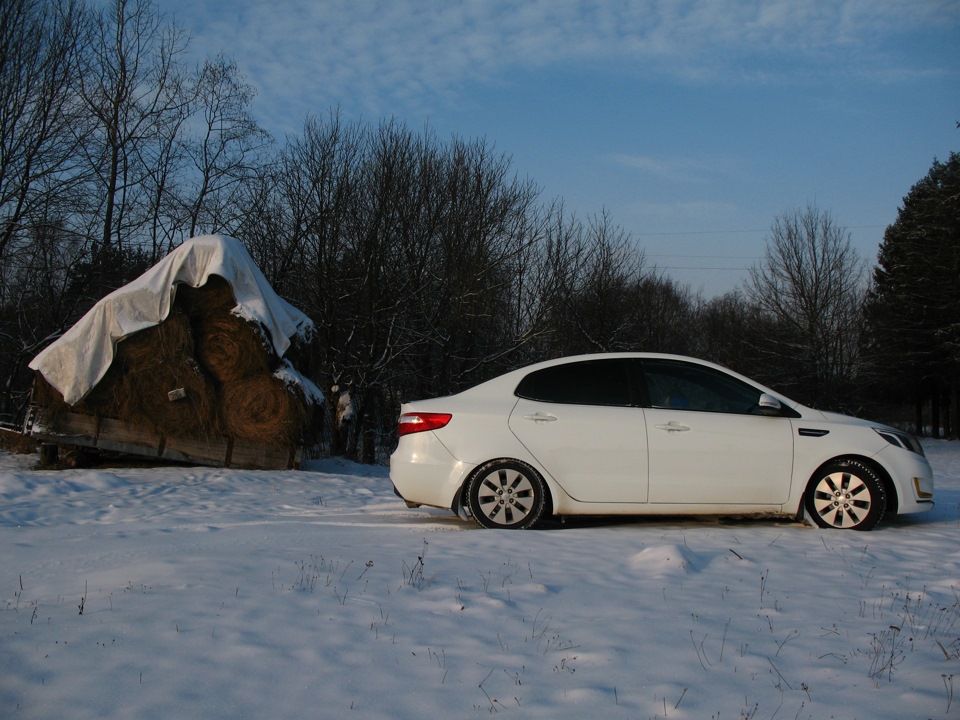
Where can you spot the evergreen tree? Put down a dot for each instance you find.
(914, 307)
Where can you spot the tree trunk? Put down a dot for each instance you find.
(935, 411)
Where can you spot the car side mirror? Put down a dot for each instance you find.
(769, 405)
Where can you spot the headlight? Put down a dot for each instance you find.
(900, 439)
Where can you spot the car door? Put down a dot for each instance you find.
(707, 442)
(578, 420)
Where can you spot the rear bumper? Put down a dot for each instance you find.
(423, 471)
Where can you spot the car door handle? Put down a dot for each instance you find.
(541, 417)
(673, 426)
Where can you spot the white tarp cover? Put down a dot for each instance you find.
(75, 363)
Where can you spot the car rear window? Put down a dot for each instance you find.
(588, 382)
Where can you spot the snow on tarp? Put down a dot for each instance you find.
(77, 361)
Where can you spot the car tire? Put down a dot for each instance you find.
(506, 494)
(846, 495)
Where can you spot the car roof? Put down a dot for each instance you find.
(511, 378)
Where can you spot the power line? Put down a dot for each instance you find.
(680, 267)
(708, 257)
(738, 232)
(700, 232)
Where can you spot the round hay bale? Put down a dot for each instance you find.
(146, 401)
(231, 348)
(49, 401)
(44, 393)
(214, 295)
(101, 400)
(167, 342)
(263, 409)
(104, 398)
(145, 353)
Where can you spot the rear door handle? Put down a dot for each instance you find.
(541, 417)
(673, 426)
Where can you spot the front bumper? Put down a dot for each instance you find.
(913, 478)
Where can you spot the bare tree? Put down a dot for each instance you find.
(131, 82)
(732, 331)
(224, 153)
(812, 283)
(296, 213)
(666, 315)
(40, 180)
(404, 250)
(39, 120)
(483, 238)
(597, 272)
(165, 169)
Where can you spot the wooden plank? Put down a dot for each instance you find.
(255, 455)
(211, 451)
(69, 429)
(118, 436)
(70, 423)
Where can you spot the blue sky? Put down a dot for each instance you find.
(694, 123)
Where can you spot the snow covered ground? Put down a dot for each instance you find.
(204, 593)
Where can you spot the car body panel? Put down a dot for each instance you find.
(719, 458)
(617, 451)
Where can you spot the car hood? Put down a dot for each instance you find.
(836, 418)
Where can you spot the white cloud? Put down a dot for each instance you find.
(674, 169)
(690, 170)
(688, 217)
(420, 52)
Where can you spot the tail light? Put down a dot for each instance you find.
(419, 422)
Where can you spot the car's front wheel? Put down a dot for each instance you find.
(846, 495)
(506, 494)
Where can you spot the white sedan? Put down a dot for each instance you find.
(642, 434)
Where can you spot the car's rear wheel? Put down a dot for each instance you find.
(847, 495)
(506, 494)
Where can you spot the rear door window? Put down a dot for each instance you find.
(587, 382)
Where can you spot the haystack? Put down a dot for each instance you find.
(202, 371)
(211, 368)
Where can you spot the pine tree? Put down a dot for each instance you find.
(914, 308)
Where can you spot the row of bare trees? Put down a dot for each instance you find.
(426, 264)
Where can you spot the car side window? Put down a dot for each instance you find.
(588, 382)
(682, 386)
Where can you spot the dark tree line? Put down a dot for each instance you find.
(427, 264)
(914, 305)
